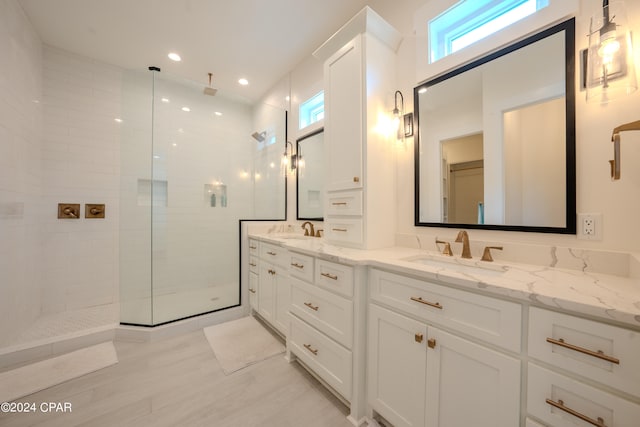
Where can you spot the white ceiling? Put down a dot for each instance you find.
(261, 40)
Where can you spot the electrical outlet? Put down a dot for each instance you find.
(590, 226)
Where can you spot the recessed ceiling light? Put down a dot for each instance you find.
(287, 98)
(243, 82)
(174, 57)
(165, 100)
(218, 113)
(119, 120)
(187, 109)
(156, 157)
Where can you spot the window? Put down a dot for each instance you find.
(311, 111)
(470, 21)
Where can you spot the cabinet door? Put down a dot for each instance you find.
(344, 117)
(470, 385)
(282, 301)
(397, 367)
(253, 290)
(266, 295)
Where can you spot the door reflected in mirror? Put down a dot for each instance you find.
(496, 142)
(310, 176)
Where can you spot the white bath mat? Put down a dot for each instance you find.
(29, 379)
(241, 343)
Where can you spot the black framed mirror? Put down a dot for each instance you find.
(310, 176)
(495, 146)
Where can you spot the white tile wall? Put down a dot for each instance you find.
(20, 171)
(80, 164)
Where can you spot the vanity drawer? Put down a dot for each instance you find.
(346, 231)
(492, 320)
(253, 291)
(301, 266)
(344, 203)
(547, 388)
(600, 352)
(254, 264)
(274, 254)
(325, 357)
(254, 246)
(335, 277)
(323, 310)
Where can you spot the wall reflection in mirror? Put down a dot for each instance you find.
(496, 141)
(309, 173)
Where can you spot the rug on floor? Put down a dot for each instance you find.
(240, 343)
(32, 378)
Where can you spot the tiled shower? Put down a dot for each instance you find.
(75, 130)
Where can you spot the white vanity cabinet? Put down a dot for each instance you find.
(606, 357)
(322, 321)
(273, 286)
(254, 271)
(420, 374)
(359, 84)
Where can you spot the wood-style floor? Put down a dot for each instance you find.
(178, 382)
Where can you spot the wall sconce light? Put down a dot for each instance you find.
(615, 137)
(289, 161)
(403, 123)
(610, 70)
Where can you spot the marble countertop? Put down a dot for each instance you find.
(603, 296)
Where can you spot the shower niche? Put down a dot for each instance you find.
(215, 195)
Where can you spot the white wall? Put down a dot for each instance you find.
(21, 174)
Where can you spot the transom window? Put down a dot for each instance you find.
(311, 111)
(469, 21)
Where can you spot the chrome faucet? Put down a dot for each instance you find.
(310, 232)
(463, 237)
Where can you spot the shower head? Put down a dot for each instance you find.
(210, 90)
(259, 136)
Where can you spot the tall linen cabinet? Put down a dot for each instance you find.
(359, 82)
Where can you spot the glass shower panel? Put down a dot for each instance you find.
(136, 198)
(201, 153)
(191, 170)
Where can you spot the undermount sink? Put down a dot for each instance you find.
(293, 236)
(460, 265)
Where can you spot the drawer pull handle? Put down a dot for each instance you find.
(271, 253)
(598, 354)
(431, 343)
(253, 264)
(430, 304)
(339, 203)
(419, 337)
(296, 265)
(253, 291)
(560, 405)
(271, 271)
(312, 350)
(343, 230)
(330, 276)
(356, 179)
(311, 306)
(253, 247)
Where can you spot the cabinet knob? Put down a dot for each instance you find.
(419, 337)
(431, 343)
(356, 179)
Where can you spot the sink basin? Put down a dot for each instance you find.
(292, 236)
(461, 265)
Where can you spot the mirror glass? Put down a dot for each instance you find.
(496, 141)
(309, 175)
